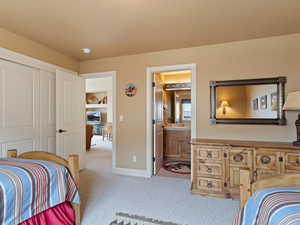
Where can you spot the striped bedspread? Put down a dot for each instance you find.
(28, 187)
(274, 206)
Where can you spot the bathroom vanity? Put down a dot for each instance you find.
(177, 138)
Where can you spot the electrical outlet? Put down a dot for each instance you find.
(134, 158)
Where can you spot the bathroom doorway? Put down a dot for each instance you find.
(173, 119)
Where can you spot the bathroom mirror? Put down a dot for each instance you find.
(256, 101)
(178, 107)
(183, 106)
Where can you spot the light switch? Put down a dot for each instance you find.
(134, 158)
(121, 118)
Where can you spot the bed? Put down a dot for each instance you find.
(272, 201)
(39, 188)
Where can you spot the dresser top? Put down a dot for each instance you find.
(236, 143)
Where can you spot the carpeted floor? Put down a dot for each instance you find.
(103, 194)
(98, 143)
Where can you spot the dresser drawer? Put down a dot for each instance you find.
(265, 173)
(267, 160)
(209, 153)
(209, 184)
(209, 169)
(241, 157)
(292, 162)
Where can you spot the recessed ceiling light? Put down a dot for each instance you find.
(86, 50)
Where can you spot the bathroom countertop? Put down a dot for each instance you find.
(176, 128)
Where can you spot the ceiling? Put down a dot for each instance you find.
(122, 27)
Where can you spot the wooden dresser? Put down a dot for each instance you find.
(217, 163)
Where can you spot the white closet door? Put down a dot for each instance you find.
(19, 107)
(47, 112)
(70, 115)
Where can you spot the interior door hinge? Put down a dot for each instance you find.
(153, 159)
(153, 84)
(153, 122)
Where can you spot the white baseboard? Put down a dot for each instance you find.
(131, 172)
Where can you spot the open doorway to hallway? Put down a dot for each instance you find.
(100, 113)
(172, 114)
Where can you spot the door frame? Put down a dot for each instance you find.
(149, 106)
(113, 75)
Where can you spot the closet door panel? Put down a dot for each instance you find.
(1, 149)
(19, 105)
(47, 111)
(19, 96)
(2, 100)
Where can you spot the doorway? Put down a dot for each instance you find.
(171, 119)
(100, 114)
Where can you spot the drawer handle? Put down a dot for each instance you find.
(255, 173)
(209, 170)
(209, 155)
(209, 185)
(265, 159)
(238, 158)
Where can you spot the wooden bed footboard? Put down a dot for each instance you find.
(247, 188)
(72, 164)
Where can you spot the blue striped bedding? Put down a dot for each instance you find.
(28, 187)
(273, 206)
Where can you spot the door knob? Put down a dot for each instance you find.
(62, 131)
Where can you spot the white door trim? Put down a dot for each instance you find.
(112, 74)
(16, 57)
(149, 127)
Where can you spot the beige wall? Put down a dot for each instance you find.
(269, 57)
(28, 47)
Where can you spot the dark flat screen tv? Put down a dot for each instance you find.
(93, 116)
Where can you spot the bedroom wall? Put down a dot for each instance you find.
(36, 50)
(259, 58)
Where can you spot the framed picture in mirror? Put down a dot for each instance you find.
(255, 104)
(264, 102)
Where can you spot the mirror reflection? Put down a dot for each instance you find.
(183, 107)
(177, 106)
(247, 101)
